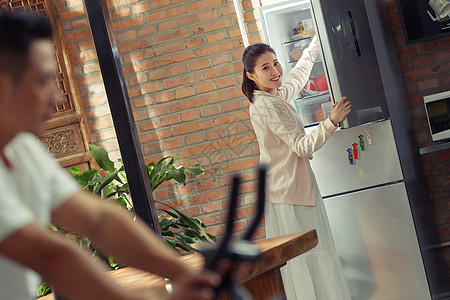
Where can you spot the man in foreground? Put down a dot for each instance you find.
(35, 189)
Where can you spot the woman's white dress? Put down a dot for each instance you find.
(317, 273)
(294, 203)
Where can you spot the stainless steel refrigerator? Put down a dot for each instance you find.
(368, 173)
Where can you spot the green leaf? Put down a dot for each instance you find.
(195, 170)
(177, 174)
(185, 246)
(101, 157)
(108, 179)
(86, 177)
(75, 170)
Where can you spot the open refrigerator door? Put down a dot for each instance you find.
(288, 29)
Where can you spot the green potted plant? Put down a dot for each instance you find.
(178, 230)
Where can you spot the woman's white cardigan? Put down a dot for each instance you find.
(283, 144)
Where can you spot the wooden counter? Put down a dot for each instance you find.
(262, 278)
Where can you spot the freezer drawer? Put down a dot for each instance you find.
(376, 242)
(377, 164)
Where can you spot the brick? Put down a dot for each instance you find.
(164, 97)
(212, 207)
(127, 35)
(220, 59)
(96, 78)
(78, 35)
(154, 135)
(101, 123)
(86, 45)
(138, 78)
(227, 119)
(199, 64)
(421, 60)
(128, 23)
(182, 80)
(441, 55)
(178, 46)
(80, 23)
(194, 139)
(152, 148)
(161, 3)
(214, 25)
(424, 72)
(133, 45)
(226, 95)
(169, 120)
(158, 74)
(175, 58)
(147, 29)
(191, 127)
(167, 25)
(73, 13)
(209, 111)
(178, 69)
(442, 156)
(208, 15)
(178, 34)
(215, 133)
(173, 143)
(188, 20)
(204, 87)
(151, 88)
(165, 14)
(225, 82)
(201, 160)
(234, 129)
(194, 42)
(240, 165)
(216, 48)
(428, 84)
(209, 196)
(184, 92)
(132, 57)
(91, 67)
(230, 106)
(120, 12)
(199, 150)
(189, 115)
(223, 70)
(84, 56)
(141, 8)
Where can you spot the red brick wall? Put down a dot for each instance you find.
(182, 64)
(181, 60)
(426, 70)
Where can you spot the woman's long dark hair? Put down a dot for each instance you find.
(251, 54)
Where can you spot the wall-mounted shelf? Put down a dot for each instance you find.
(435, 148)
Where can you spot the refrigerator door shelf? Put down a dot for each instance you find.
(375, 239)
(310, 108)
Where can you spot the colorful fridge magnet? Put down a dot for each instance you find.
(361, 141)
(369, 137)
(355, 150)
(350, 155)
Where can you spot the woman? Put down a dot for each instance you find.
(294, 203)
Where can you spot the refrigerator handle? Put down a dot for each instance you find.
(355, 38)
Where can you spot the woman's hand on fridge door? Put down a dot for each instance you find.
(340, 110)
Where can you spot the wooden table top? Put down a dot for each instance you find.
(274, 253)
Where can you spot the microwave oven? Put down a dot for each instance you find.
(437, 108)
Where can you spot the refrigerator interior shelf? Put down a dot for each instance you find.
(295, 40)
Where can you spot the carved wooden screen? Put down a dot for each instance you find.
(66, 134)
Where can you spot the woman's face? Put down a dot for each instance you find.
(268, 72)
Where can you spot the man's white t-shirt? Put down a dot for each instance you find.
(29, 191)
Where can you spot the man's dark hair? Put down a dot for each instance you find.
(17, 32)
